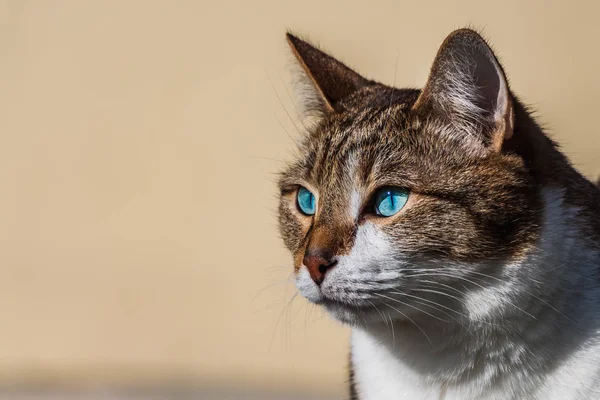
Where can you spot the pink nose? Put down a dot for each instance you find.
(318, 263)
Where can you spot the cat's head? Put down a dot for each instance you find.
(397, 192)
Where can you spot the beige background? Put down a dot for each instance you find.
(139, 142)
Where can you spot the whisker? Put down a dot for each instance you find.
(305, 317)
(526, 292)
(279, 318)
(384, 320)
(393, 89)
(409, 305)
(410, 319)
(393, 333)
(432, 304)
(291, 99)
(285, 129)
(467, 317)
(285, 281)
(438, 292)
(443, 285)
(447, 274)
(281, 102)
(512, 304)
(288, 321)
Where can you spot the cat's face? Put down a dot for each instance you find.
(399, 195)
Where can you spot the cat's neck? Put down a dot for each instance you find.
(540, 312)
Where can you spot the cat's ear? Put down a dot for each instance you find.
(322, 81)
(468, 88)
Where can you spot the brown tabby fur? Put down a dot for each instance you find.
(471, 200)
(401, 147)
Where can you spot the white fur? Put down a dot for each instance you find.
(354, 204)
(354, 195)
(379, 374)
(362, 270)
(308, 101)
(385, 370)
(356, 270)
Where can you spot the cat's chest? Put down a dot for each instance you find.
(379, 375)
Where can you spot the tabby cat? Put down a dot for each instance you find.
(447, 230)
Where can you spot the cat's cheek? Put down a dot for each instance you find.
(293, 225)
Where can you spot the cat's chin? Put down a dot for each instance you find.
(346, 313)
(343, 315)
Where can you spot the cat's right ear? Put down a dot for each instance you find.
(322, 81)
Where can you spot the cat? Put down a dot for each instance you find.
(446, 229)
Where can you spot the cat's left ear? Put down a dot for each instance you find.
(468, 89)
(323, 81)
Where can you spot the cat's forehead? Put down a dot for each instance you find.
(350, 142)
(364, 142)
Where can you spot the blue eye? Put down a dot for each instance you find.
(306, 201)
(390, 200)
